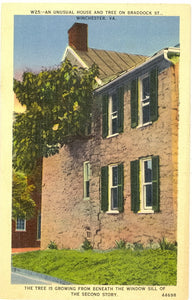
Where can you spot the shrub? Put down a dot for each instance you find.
(152, 245)
(138, 246)
(52, 245)
(130, 246)
(87, 245)
(121, 244)
(165, 245)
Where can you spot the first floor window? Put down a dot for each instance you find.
(20, 224)
(146, 177)
(86, 179)
(145, 185)
(112, 181)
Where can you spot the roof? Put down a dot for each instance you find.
(111, 64)
(162, 59)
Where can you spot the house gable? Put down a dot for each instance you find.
(111, 63)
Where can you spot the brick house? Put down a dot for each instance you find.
(120, 182)
(27, 233)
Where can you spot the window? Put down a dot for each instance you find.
(113, 112)
(146, 169)
(145, 185)
(113, 184)
(112, 188)
(20, 224)
(86, 179)
(144, 99)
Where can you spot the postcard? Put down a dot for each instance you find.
(95, 143)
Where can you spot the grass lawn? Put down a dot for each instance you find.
(116, 267)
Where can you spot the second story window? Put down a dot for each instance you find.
(144, 99)
(113, 113)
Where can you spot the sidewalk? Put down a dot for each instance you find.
(21, 276)
(22, 250)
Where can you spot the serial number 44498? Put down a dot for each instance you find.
(169, 295)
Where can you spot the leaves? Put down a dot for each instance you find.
(58, 105)
(22, 203)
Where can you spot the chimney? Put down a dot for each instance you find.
(77, 36)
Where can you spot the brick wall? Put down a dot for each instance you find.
(67, 218)
(28, 238)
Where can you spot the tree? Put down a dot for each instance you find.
(58, 105)
(22, 204)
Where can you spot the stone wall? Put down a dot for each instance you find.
(68, 219)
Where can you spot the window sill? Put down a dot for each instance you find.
(86, 198)
(112, 135)
(146, 211)
(20, 230)
(144, 125)
(112, 212)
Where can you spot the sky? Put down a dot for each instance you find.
(40, 41)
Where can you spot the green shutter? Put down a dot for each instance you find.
(135, 192)
(155, 183)
(120, 188)
(154, 95)
(120, 94)
(105, 104)
(134, 103)
(104, 188)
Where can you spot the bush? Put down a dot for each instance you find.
(87, 245)
(152, 245)
(165, 245)
(138, 246)
(52, 245)
(121, 244)
(130, 246)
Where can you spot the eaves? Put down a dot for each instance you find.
(160, 60)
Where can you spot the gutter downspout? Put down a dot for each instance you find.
(167, 51)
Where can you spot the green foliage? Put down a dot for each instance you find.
(87, 245)
(58, 106)
(52, 245)
(174, 58)
(129, 246)
(120, 244)
(138, 246)
(117, 267)
(165, 245)
(22, 204)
